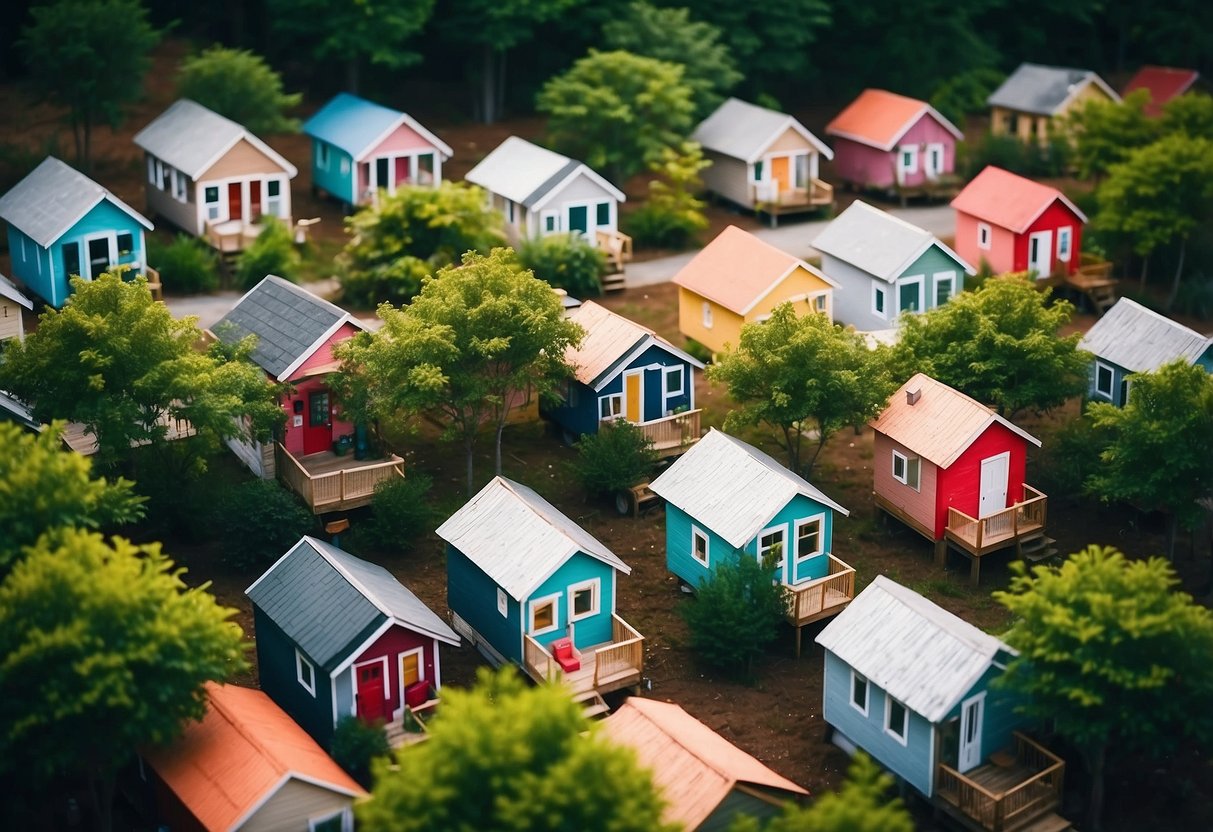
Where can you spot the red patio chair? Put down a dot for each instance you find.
(566, 655)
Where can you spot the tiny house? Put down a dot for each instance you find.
(12, 301)
(1163, 84)
(360, 148)
(62, 224)
(338, 636)
(1032, 103)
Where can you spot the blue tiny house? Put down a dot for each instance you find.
(912, 685)
(725, 498)
(622, 370)
(61, 223)
(528, 586)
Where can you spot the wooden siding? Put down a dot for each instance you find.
(588, 631)
(280, 681)
(403, 139)
(258, 456)
(798, 284)
(678, 557)
(999, 257)
(103, 219)
(790, 141)
(184, 215)
(999, 720)
(1119, 374)
(725, 331)
(853, 300)
(960, 484)
(242, 161)
(729, 178)
(918, 505)
(1054, 217)
(11, 325)
(293, 805)
(472, 595)
(925, 132)
(871, 167)
(931, 262)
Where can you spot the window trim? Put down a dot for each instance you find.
(911, 167)
(699, 534)
(536, 603)
(904, 736)
(985, 236)
(782, 529)
(552, 217)
(615, 414)
(758, 171)
(1066, 233)
(300, 662)
(346, 814)
(503, 603)
(820, 520)
(904, 479)
(867, 692)
(819, 302)
(920, 280)
(667, 373)
(1107, 394)
(943, 277)
(928, 166)
(322, 155)
(879, 293)
(593, 584)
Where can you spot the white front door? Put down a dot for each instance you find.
(995, 473)
(1040, 247)
(971, 711)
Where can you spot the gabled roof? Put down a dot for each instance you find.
(528, 174)
(694, 767)
(1009, 200)
(737, 270)
(244, 750)
(328, 602)
(1044, 90)
(52, 198)
(744, 131)
(879, 119)
(922, 655)
(1141, 340)
(358, 126)
(941, 424)
(518, 538)
(877, 242)
(290, 324)
(610, 341)
(732, 487)
(191, 138)
(1163, 83)
(9, 290)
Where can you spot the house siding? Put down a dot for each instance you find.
(588, 631)
(918, 505)
(11, 325)
(854, 297)
(392, 644)
(931, 262)
(798, 508)
(472, 595)
(725, 331)
(403, 139)
(678, 556)
(729, 178)
(871, 167)
(999, 720)
(798, 284)
(1055, 217)
(337, 184)
(737, 804)
(293, 805)
(279, 680)
(1119, 374)
(924, 132)
(31, 265)
(240, 162)
(186, 215)
(999, 257)
(960, 483)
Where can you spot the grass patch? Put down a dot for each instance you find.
(939, 586)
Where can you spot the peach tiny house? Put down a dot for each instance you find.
(1031, 104)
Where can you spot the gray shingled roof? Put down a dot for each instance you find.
(1141, 340)
(328, 602)
(877, 242)
(191, 138)
(287, 320)
(53, 198)
(743, 131)
(1033, 88)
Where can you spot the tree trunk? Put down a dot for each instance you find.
(1179, 271)
(1095, 809)
(488, 85)
(1145, 267)
(500, 82)
(1172, 533)
(500, 429)
(351, 74)
(469, 447)
(793, 449)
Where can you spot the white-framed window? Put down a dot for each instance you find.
(674, 385)
(503, 603)
(707, 315)
(1064, 236)
(800, 170)
(166, 178)
(551, 222)
(345, 166)
(126, 243)
(583, 599)
(305, 672)
(602, 214)
(158, 175)
(699, 545)
(859, 693)
(907, 159)
(909, 294)
(896, 719)
(760, 171)
(945, 287)
(934, 159)
(339, 821)
(983, 235)
(273, 197)
(210, 198)
(322, 155)
(543, 615)
(907, 470)
(810, 537)
(179, 190)
(878, 301)
(1126, 385)
(1103, 380)
(151, 171)
(821, 303)
(772, 545)
(610, 407)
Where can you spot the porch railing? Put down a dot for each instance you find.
(335, 489)
(538, 661)
(1004, 526)
(998, 811)
(624, 654)
(673, 432)
(811, 600)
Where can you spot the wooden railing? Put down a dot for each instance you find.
(999, 811)
(1007, 525)
(537, 660)
(335, 489)
(624, 654)
(673, 432)
(820, 193)
(809, 601)
(616, 245)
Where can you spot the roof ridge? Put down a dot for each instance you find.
(707, 761)
(231, 716)
(1164, 318)
(375, 600)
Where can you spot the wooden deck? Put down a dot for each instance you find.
(820, 598)
(1000, 530)
(1010, 794)
(1092, 280)
(775, 203)
(328, 482)
(605, 667)
(673, 435)
(410, 728)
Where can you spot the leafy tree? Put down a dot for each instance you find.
(673, 214)
(672, 35)
(258, 521)
(44, 487)
(1110, 655)
(617, 111)
(240, 85)
(273, 252)
(736, 613)
(773, 41)
(103, 648)
(565, 261)
(117, 361)
(1190, 114)
(395, 243)
(89, 56)
(400, 512)
(1155, 451)
(1105, 132)
(965, 94)
(790, 372)
(511, 757)
(477, 335)
(999, 345)
(614, 459)
(1159, 195)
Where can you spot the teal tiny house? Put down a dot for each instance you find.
(61, 223)
(726, 498)
(527, 585)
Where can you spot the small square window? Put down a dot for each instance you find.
(673, 381)
(305, 672)
(1103, 380)
(859, 693)
(602, 215)
(273, 188)
(551, 222)
(126, 242)
(503, 603)
(1063, 244)
(907, 159)
(909, 296)
(906, 469)
(896, 719)
(509, 210)
(583, 600)
(322, 155)
(610, 407)
(759, 171)
(819, 304)
(543, 616)
(699, 546)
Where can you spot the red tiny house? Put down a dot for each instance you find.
(960, 483)
(403, 657)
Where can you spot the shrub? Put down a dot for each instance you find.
(673, 215)
(258, 521)
(399, 513)
(616, 458)
(565, 261)
(273, 252)
(187, 265)
(356, 744)
(396, 282)
(699, 351)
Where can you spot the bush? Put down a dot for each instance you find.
(258, 521)
(699, 351)
(396, 282)
(356, 744)
(673, 215)
(566, 261)
(1195, 297)
(400, 513)
(273, 252)
(614, 459)
(187, 265)
(1025, 158)
(240, 85)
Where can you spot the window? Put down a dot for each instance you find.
(551, 222)
(543, 615)
(1125, 384)
(759, 171)
(1013, 124)
(945, 287)
(305, 672)
(983, 236)
(673, 381)
(907, 469)
(602, 215)
(821, 303)
(1063, 244)
(610, 407)
(126, 242)
(934, 160)
(151, 171)
(800, 171)
(896, 718)
(273, 197)
(509, 210)
(166, 177)
(771, 548)
(158, 175)
(1103, 380)
(907, 159)
(878, 300)
(809, 537)
(179, 181)
(425, 169)
(707, 315)
(909, 294)
(699, 546)
(341, 821)
(322, 155)
(503, 603)
(859, 693)
(211, 198)
(345, 166)
(583, 600)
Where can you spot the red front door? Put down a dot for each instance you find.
(318, 424)
(254, 199)
(235, 204)
(370, 692)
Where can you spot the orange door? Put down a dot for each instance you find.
(633, 387)
(779, 172)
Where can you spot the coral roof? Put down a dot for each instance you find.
(1163, 84)
(1008, 200)
(879, 118)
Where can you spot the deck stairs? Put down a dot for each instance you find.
(1036, 547)
(592, 703)
(1102, 298)
(1051, 822)
(614, 282)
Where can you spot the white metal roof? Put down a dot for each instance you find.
(518, 538)
(1141, 340)
(922, 655)
(191, 138)
(526, 173)
(743, 130)
(878, 242)
(732, 487)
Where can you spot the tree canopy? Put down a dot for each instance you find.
(772, 41)
(507, 756)
(240, 85)
(1106, 132)
(673, 215)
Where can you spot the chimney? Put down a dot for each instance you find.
(913, 394)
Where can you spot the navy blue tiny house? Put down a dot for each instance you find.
(623, 370)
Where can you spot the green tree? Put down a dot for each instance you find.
(672, 35)
(1106, 132)
(617, 111)
(615, 458)
(89, 56)
(965, 94)
(117, 361)
(1190, 114)
(103, 648)
(239, 84)
(999, 345)
(465, 349)
(802, 376)
(44, 487)
(258, 521)
(272, 252)
(673, 214)
(772, 41)
(1159, 195)
(1111, 656)
(395, 243)
(514, 758)
(565, 261)
(1156, 450)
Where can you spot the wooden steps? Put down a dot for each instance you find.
(614, 282)
(1036, 547)
(593, 705)
(1051, 822)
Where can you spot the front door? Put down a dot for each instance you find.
(633, 397)
(779, 172)
(235, 201)
(318, 429)
(995, 472)
(969, 755)
(370, 691)
(100, 255)
(254, 200)
(1040, 246)
(383, 174)
(579, 218)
